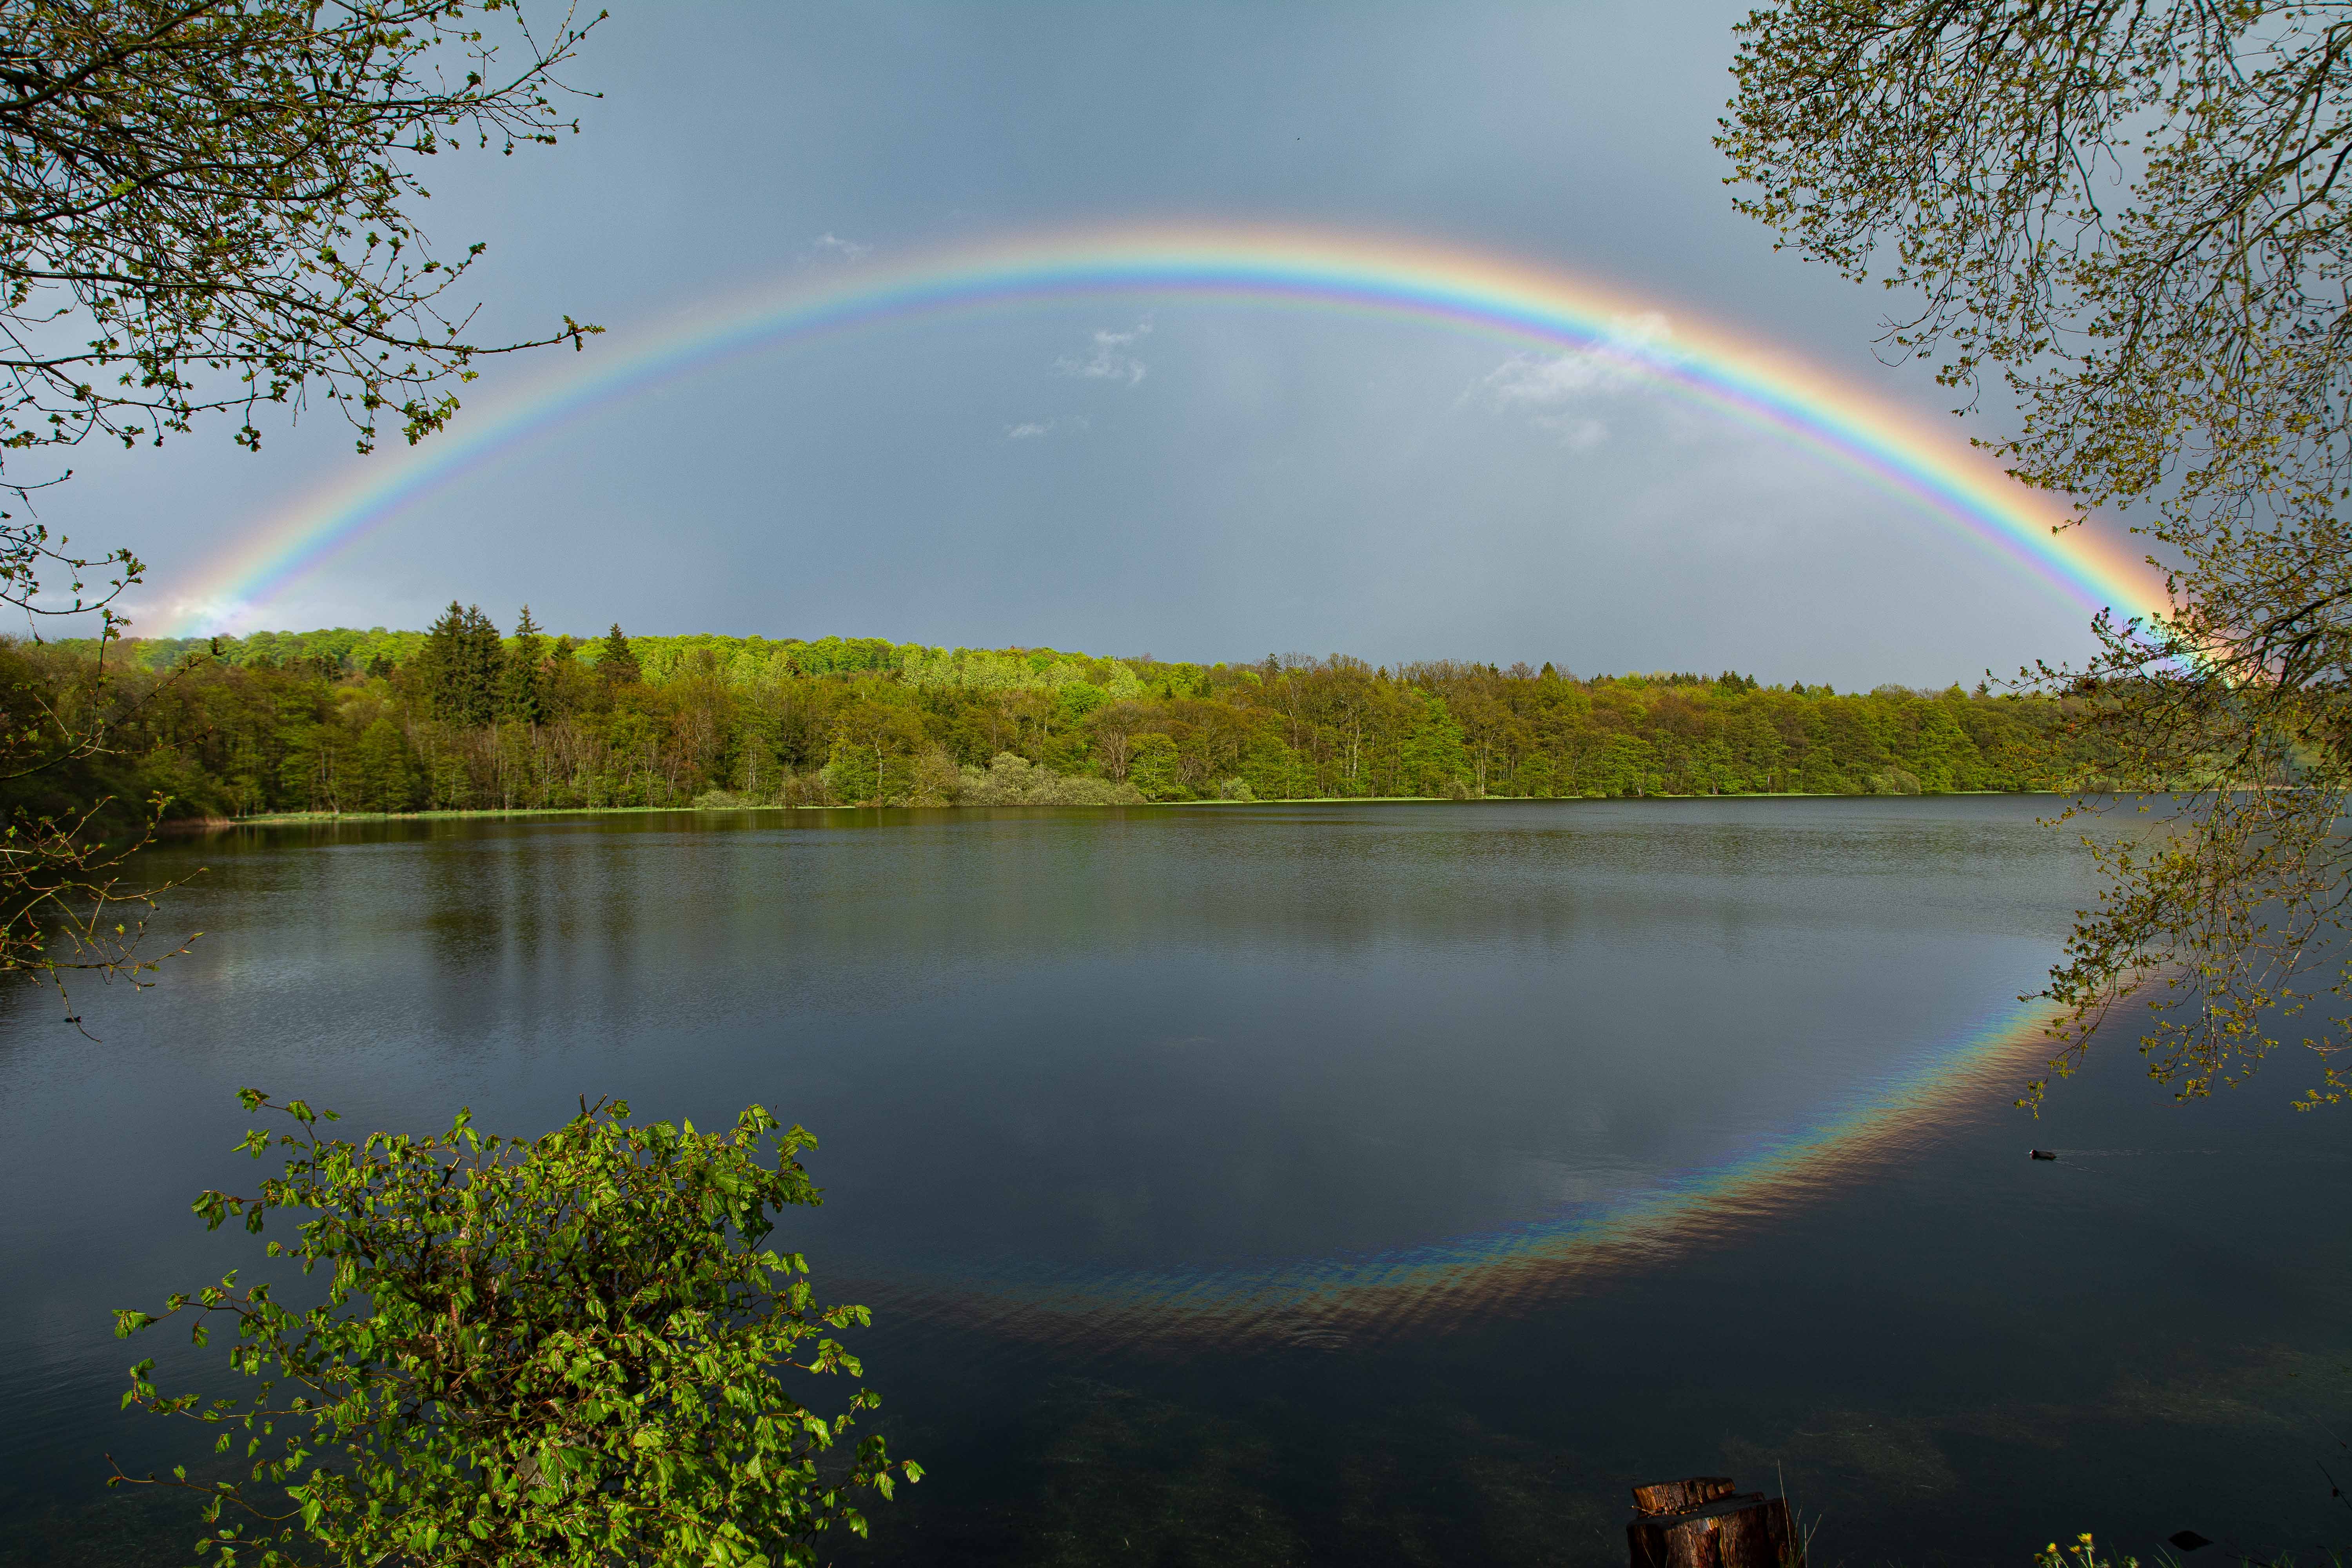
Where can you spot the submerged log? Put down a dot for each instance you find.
(1703, 1523)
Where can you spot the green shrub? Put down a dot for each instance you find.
(559, 1350)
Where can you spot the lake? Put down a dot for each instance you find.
(1284, 1184)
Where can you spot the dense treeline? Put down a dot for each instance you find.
(464, 717)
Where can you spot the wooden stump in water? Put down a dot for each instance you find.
(1703, 1523)
(1676, 1497)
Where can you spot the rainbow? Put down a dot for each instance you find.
(1532, 309)
(1499, 1273)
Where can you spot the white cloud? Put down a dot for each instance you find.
(1579, 435)
(1030, 429)
(847, 249)
(1111, 359)
(218, 616)
(1549, 390)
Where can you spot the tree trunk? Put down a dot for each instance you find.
(1702, 1523)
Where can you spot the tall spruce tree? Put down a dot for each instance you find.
(522, 691)
(461, 665)
(563, 680)
(434, 668)
(617, 662)
(486, 666)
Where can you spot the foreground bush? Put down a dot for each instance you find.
(561, 1350)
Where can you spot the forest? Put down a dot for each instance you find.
(465, 717)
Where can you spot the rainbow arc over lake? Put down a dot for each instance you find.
(1531, 309)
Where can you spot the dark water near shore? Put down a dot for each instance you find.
(1385, 1185)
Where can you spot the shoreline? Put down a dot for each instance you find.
(326, 818)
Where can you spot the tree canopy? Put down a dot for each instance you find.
(208, 206)
(400, 721)
(2133, 216)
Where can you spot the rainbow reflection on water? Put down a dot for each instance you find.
(1359, 1297)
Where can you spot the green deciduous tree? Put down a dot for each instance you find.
(68, 902)
(206, 207)
(567, 1350)
(385, 766)
(1151, 767)
(873, 750)
(2134, 214)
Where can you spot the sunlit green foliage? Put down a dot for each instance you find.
(559, 1350)
(375, 722)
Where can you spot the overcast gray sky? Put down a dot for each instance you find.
(1270, 482)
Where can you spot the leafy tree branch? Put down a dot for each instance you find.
(2133, 211)
(207, 206)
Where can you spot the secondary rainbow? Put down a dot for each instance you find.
(1532, 309)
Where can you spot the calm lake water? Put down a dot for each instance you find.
(1380, 1184)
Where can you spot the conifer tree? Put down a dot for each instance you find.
(486, 663)
(616, 662)
(435, 667)
(459, 669)
(522, 692)
(562, 687)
